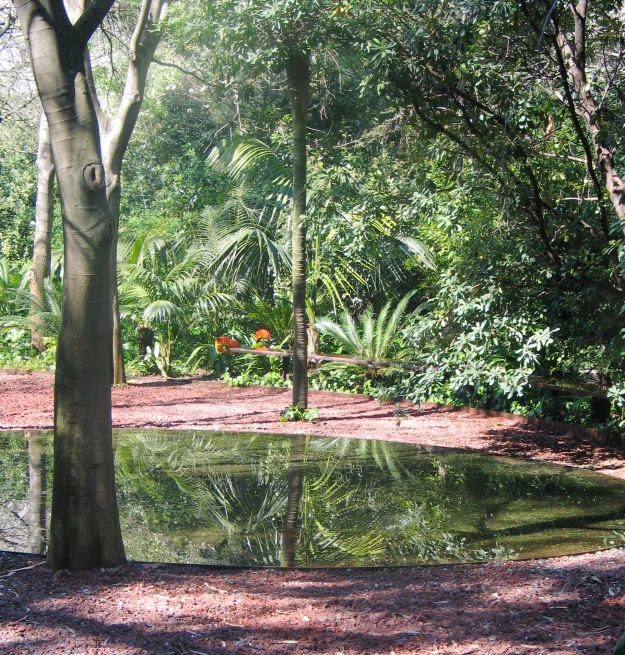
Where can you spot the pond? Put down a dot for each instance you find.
(276, 500)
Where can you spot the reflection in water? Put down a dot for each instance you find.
(37, 495)
(266, 500)
(295, 481)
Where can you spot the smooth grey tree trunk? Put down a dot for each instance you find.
(44, 214)
(85, 530)
(115, 133)
(298, 78)
(37, 496)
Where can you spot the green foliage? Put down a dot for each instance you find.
(17, 312)
(495, 109)
(294, 413)
(248, 160)
(376, 338)
(468, 345)
(351, 255)
(162, 287)
(166, 182)
(242, 242)
(17, 353)
(276, 315)
(444, 165)
(18, 180)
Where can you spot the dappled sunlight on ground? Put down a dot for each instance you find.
(563, 605)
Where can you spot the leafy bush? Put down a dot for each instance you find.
(17, 353)
(469, 347)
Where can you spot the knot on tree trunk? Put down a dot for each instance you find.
(93, 176)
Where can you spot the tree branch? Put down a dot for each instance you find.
(143, 45)
(542, 229)
(9, 21)
(139, 27)
(167, 64)
(91, 18)
(578, 128)
(603, 287)
(102, 118)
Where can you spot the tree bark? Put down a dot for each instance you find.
(85, 530)
(571, 58)
(44, 214)
(37, 495)
(298, 78)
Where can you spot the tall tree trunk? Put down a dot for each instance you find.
(298, 78)
(115, 133)
(113, 192)
(37, 496)
(295, 485)
(44, 214)
(85, 530)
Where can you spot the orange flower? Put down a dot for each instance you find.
(223, 344)
(262, 335)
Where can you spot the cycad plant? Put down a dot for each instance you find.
(373, 337)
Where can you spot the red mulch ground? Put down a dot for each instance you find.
(560, 605)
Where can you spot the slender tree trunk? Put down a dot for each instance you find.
(37, 497)
(115, 133)
(85, 530)
(571, 58)
(113, 194)
(295, 485)
(44, 214)
(298, 78)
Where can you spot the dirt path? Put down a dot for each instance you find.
(560, 605)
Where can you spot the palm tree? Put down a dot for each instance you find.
(298, 78)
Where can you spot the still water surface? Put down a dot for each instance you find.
(257, 499)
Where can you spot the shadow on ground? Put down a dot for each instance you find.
(565, 605)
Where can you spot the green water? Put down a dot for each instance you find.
(222, 498)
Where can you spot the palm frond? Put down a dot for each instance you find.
(160, 311)
(247, 159)
(418, 249)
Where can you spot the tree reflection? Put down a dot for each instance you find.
(38, 491)
(295, 482)
(23, 491)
